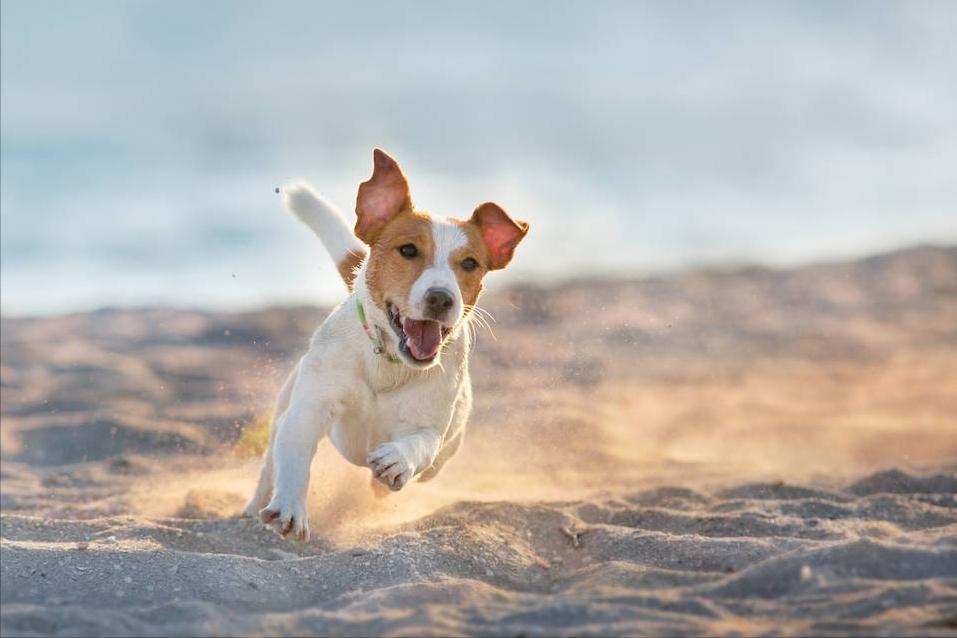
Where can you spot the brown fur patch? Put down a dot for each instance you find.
(347, 266)
(389, 275)
(470, 283)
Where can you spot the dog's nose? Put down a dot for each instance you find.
(438, 301)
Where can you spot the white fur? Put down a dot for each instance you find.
(447, 238)
(324, 219)
(402, 422)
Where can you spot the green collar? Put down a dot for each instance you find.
(375, 337)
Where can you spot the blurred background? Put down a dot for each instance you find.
(142, 141)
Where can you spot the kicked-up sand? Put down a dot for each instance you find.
(714, 453)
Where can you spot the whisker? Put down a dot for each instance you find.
(485, 325)
(471, 332)
(481, 316)
(482, 311)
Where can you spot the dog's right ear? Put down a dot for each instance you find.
(381, 198)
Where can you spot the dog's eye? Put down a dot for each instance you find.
(469, 264)
(408, 250)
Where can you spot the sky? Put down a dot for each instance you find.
(141, 142)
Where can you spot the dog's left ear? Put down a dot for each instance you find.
(500, 233)
(381, 197)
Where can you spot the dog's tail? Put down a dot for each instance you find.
(329, 225)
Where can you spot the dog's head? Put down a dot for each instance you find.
(423, 272)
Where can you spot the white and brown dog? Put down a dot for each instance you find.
(386, 374)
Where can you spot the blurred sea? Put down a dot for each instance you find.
(140, 143)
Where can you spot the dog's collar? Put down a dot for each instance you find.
(378, 346)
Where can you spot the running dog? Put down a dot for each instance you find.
(386, 375)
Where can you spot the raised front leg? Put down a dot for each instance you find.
(395, 462)
(297, 434)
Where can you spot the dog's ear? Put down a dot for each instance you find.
(381, 198)
(500, 233)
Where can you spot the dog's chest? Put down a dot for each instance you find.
(371, 416)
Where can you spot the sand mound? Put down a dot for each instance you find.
(705, 565)
(751, 452)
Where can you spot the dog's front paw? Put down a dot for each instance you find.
(289, 517)
(390, 466)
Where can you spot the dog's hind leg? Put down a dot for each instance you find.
(456, 433)
(264, 487)
(448, 451)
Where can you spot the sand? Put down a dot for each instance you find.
(741, 452)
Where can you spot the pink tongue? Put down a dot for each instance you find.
(423, 337)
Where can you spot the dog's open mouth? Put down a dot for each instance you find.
(420, 339)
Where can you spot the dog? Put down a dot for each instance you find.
(386, 375)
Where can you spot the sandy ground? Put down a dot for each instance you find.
(742, 452)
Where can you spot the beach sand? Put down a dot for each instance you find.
(736, 452)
